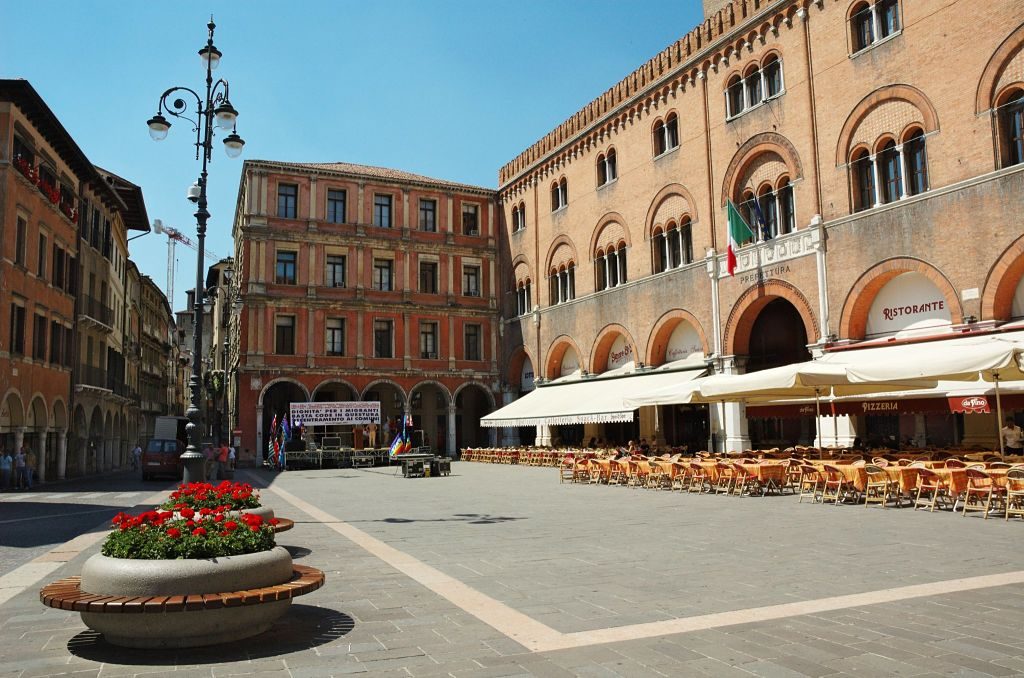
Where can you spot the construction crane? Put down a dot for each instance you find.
(175, 236)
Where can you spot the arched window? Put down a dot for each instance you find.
(562, 284)
(685, 242)
(862, 23)
(606, 168)
(890, 173)
(523, 304)
(734, 96)
(772, 76)
(515, 218)
(753, 83)
(863, 166)
(787, 207)
(747, 209)
(559, 195)
(611, 260)
(660, 244)
(888, 12)
(917, 163)
(666, 134)
(870, 23)
(621, 256)
(769, 213)
(1011, 132)
(672, 245)
(522, 216)
(601, 268)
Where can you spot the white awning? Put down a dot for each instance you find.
(593, 400)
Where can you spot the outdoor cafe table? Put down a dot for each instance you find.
(906, 476)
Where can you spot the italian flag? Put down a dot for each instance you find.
(739, 233)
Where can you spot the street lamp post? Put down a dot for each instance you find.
(213, 110)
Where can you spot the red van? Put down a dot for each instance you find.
(162, 458)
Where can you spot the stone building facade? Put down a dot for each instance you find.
(890, 189)
(364, 283)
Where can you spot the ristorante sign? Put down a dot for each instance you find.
(893, 312)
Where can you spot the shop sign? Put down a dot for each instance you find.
(526, 376)
(969, 404)
(683, 343)
(620, 353)
(760, 275)
(335, 413)
(908, 301)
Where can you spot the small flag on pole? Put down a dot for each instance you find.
(739, 233)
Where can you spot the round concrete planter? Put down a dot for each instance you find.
(264, 512)
(126, 577)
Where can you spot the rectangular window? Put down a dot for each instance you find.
(382, 333)
(56, 334)
(335, 270)
(41, 257)
(17, 337)
(19, 241)
(428, 277)
(470, 220)
(284, 335)
(471, 281)
(58, 267)
(382, 278)
(382, 211)
(472, 344)
(72, 276)
(334, 343)
(284, 273)
(39, 338)
(287, 199)
(428, 215)
(428, 340)
(69, 349)
(336, 206)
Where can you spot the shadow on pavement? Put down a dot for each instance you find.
(471, 518)
(29, 523)
(304, 627)
(297, 551)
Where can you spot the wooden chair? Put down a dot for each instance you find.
(880, 461)
(811, 482)
(1015, 492)
(657, 478)
(681, 479)
(981, 492)
(999, 464)
(934, 486)
(698, 479)
(835, 486)
(791, 480)
(955, 463)
(726, 478)
(567, 469)
(879, 488)
(618, 472)
(745, 481)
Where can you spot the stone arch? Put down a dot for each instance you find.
(992, 81)
(893, 96)
(748, 306)
(561, 241)
(431, 382)
(603, 343)
(333, 380)
(12, 410)
(654, 210)
(854, 318)
(59, 414)
(389, 382)
(663, 329)
(520, 355)
(278, 380)
(755, 147)
(605, 235)
(556, 350)
(1001, 282)
(470, 384)
(520, 262)
(37, 416)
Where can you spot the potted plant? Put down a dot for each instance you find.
(234, 496)
(187, 552)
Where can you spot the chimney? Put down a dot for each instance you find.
(711, 7)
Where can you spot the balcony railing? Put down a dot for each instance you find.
(97, 310)
(92, 376)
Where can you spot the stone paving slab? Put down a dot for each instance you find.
(580, 558)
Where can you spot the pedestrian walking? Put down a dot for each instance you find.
(231, 457)
(6, 468)
(20, 469)
(136, 457)
(222, 460)
(30, 466)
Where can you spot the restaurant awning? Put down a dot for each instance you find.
(593, 400)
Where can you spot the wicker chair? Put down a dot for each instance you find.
(698, 479)
(1015, 492)
(981, 492)
(835, 486)
(879, 488)
(811, 482)
(726, 478)
(934, 486)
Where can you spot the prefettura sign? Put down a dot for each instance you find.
(330, 414)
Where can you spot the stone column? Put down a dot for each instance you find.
(62, 454)
(450, 433)
(118, 457)
(259, 436)
(921, 430)
(19, 439)
(543, 435)
(511, 434)
(108, 455)
(737, 438)
(41, 455)
(878, 179)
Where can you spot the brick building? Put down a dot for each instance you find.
(364, 283)
(890, 187)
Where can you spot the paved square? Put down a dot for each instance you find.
(499, 570)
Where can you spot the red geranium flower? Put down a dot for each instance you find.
(199, 532)
(173, 532)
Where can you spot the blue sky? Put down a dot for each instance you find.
(451, 89)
